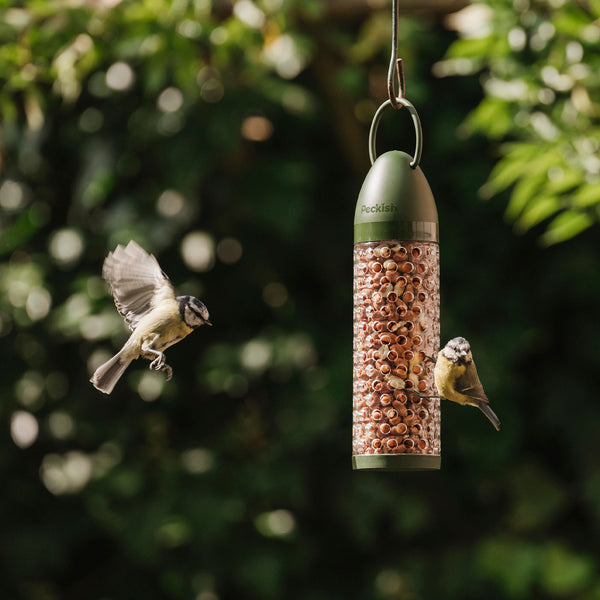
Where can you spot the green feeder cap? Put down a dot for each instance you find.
(395, 202)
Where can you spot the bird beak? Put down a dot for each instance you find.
(208, 323)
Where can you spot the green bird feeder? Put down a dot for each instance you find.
(396, 313)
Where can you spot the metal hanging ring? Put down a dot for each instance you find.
(416, 122)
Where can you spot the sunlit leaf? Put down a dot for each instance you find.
(537, 212)
(569, 179)
(471, 48)
(492, 117)
(566, 226)
(516, 162)
(524, 192)
(587, 195)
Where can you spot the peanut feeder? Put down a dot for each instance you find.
(396, 313)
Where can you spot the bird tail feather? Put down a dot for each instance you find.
(107, 374)
(489, 413)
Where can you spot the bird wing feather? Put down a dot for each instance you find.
(469, 385)
(137, 282)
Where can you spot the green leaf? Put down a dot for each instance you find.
(492, 117)
(595, 7)
(570, 179)
(516, 162)
(587, 195)
(571, 20)
(566, 226)
(523, 193)
(537, 211)
(471, 48)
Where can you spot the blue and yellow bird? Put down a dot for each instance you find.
(457, 380)
(145, 298)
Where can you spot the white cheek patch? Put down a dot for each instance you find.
(191, 317)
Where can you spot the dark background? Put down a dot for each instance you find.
(234, 479)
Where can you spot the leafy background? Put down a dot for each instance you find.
(230, 139)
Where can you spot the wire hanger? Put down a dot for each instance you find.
(396, 68)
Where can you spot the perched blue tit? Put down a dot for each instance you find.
(456, 378)
(145, 298)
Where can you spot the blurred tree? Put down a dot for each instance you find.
(539, 61)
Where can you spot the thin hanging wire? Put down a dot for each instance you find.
(396, 69)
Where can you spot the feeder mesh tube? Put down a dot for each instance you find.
(396, 334)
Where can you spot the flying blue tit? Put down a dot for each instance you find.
(145, 298)
(456, 378)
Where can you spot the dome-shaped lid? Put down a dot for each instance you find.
(395, 202)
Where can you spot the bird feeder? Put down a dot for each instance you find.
(396, 312)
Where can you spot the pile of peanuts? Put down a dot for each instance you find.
(396, 336)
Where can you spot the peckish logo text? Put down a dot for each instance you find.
(378, 208)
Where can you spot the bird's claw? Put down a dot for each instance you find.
(158, 364)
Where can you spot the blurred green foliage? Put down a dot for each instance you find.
(539, 61)
(231, 141)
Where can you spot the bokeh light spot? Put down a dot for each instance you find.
(219, 36)
(119, 76)
(284, 55)
(229, 250)
(247, 12)
(150, 386)
(94, 327)
(170, 203)
(275, 523)
(391, 584)
(256, 355)
(18, 292)
(38, 303)
(66, 246)
(197, 460)
(61, 424)
(212, 90)
(275, 294)
(108, 456)
(170, 124)
(189, 29)
(66, 474)
(170, 100)
(211, 87)
(29, 389)
(91, 120)
(24, 428)
(12, 196)
(257, 129)
(198, 251)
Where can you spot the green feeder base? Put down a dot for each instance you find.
(396, 462)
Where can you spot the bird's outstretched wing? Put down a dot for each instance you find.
(136, 281)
